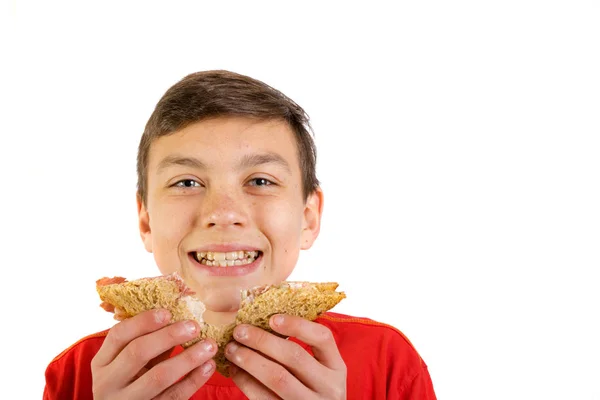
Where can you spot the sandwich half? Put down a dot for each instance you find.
(257, 305)
(127, 299)
(303, 299)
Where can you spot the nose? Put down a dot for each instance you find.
(221, 208)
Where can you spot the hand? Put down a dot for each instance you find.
(284, 368)
(133, 362)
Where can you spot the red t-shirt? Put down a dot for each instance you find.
(381, 364)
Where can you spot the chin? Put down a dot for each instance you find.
(222, 301)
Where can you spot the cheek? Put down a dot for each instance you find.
(281, 222)
(169, 227)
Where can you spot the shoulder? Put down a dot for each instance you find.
(349, 322)
(88, 345)
(364, 331)
(380, 359)
(69, 374)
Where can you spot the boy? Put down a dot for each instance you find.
(226, 166)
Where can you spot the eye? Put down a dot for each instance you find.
(186, 183)
(260, 182)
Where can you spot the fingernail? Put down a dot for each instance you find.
(207, 346)
(232, 348)
(161, 316)
(191, 327)
(277, 320)
(206, 368)
(241, 333)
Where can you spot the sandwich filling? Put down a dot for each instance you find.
(229, 259)
(196, 307)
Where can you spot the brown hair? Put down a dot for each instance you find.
(207, 94)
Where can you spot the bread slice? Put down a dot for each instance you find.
(128, 299)
(304, 299)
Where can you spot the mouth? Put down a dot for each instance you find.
(226, 259)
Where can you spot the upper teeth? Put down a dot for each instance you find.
(229, 259)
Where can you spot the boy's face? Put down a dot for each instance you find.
(229, 189)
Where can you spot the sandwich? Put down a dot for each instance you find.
(303, 299)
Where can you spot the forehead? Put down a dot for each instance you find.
(219, 140)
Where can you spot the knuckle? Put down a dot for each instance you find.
(195, 355)
(172, 333)
(100, 384)
(240, 357)
(183, 389)
(195, 379)
(260, 339)
(177, 392)
(265, 396)
(115, 336)
(156, 379)
(297, 355)
(279, 379)
(176, 331)
(134, 351)
(338, 393)
(97, 387)
(98, 392)
(94, 363)
(324, 335)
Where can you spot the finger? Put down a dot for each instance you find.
(124, 332)
(139, 352)
(190, 384)
(287, 353)
(160, 358)
(315, 335)
(167, 373)
(157, 360)
(270, 374)
(252, 388)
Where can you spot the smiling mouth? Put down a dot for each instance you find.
(229, 259)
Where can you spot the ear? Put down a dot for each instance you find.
(144, 224)
(311, 225)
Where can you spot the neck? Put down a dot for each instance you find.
(218, 318)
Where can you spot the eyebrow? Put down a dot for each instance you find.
(247, 161)
(178, 160)
(254, 160)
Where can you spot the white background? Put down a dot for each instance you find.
(458, 150)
